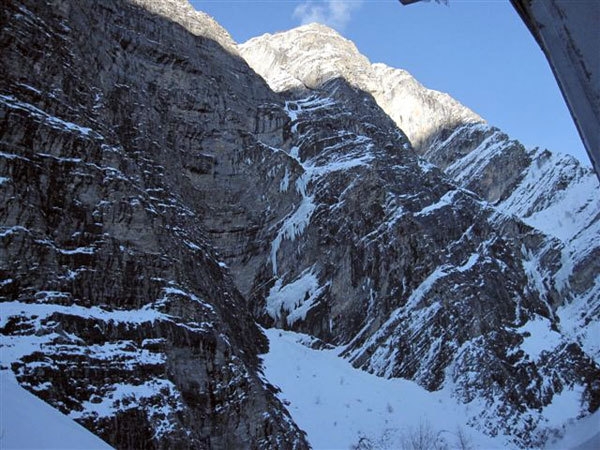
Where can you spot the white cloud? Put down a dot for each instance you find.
(335, 13)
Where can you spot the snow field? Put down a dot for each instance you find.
(338, 405)
(26, 422)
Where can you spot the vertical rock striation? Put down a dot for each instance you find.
(157, 197)
(116, 308)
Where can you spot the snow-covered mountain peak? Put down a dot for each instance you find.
(306, 56)
(319, 28)
(310, 55)
(304, 38)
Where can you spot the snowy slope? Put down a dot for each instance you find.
(26, 422)
(339, 406)
(581, 435)
(559, 196)
(551, 192)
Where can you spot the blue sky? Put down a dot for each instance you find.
(478, 51)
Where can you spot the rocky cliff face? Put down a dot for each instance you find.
(157, 198)
(435, 281)
(312, 54)
(552, 193)
(116, 308)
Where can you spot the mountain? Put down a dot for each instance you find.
(116, 308)
(309, 55)
(158, 199)
(552, 193)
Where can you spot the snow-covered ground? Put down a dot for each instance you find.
(581, 435)
(26, 422)
(340, 407)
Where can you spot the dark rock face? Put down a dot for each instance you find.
(419, 275)
(419, 278)
(551, 192)
(116, 309)
(157, 198)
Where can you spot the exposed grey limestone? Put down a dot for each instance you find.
(309, 55)
(157, 198)
(115, 306)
